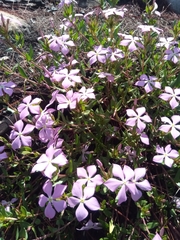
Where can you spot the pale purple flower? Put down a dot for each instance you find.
(28, 106)
(166, 155)
(173, 96)
(114, 11)
(8, 205)
(18, 135)
(157, 237)
(70, 100)
(172, 55)
(7, 87)
(60, 43)
(166, 42)
(128, 181)
(99, 54)
(45, 162)
(149, 28)
(88, 177)
(133, 43)
(114, 54)
(109, 76)
(65, 2)
(44, 123)
(172, 126)
(137, 118)
(67, 78)
(148, 82)
(53, 201)
(86, 93)
(3, 155)
(90, 225)
(83, 198)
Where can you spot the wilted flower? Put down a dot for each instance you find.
(7, 205)
(90, 225)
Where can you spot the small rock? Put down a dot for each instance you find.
(15, 23)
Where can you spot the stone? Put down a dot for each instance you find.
(15, 23)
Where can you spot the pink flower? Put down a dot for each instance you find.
(29, 106)
(137, 118)
(148, 28)
(166, 156)
(173, 96)
(86, 93)
(133, 43)
(60, 43)
(87, 177)
(148, 82)
(128, 181)
(114, 11)
(67, 79)
(18, 135)
(172, 55)
(53, 200)
(70, 100)
(157, 237)
(45, 162)
(7, 87)
(166, 42)
(109, 76)
(83, 197)
(99, 54)
(171, 126)
(115, 54)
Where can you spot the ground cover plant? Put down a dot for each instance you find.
(93, 150)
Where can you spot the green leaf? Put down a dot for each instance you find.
(23, 212)
(22, 72)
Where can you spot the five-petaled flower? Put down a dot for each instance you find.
(7, 87)
(18, 135)
(172, 126)
(70, 100)
(47, 161)
(166, 156)
(133, 43)
(128, 181)
(60, 43)
(99, 54)
(28, 106)
(83, 197)
(53, 200)
(173, 96)
(172, 55)
(148, 82)
(86, 177)
(67, 78)
(137, 118)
